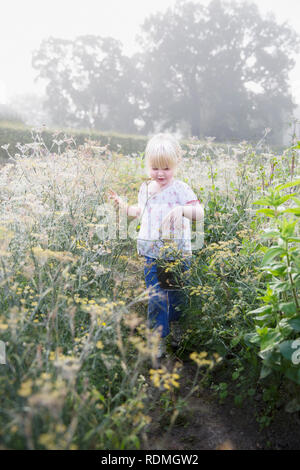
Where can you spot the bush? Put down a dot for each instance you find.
(15, 134)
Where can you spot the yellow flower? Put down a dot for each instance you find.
(99, 345)
(26, 388)
(163, 378)
(52, 356)
(200, 360)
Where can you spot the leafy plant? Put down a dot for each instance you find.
(277, 320)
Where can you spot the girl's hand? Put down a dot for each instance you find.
(173, 222)
(116, 199)
(113, 196)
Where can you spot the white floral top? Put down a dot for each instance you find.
(150, 241)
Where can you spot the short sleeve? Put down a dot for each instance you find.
(188, 196)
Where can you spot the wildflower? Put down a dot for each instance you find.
(52, 356)
(47, 440)
(200, 360)
(26, 388)
(161, 378)
(44, 254)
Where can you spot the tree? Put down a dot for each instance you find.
(90, 83)
(223, 69)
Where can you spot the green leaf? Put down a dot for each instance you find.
(271, 253)
(286, 349)
(270, 234)
(285, 328)
(295, 323)
(270, 339)
(277, 269)
(283, 286)
(297, 200)
(265, 371)
(289, 308)
(271, 358)
(285, 198)
(288, 185)
(234, 341)
(109, 434)
(251, 338)
(101, 397)
(263, 317)
(263, 309)
(293, 374)
(264, 202)
(268, 212)
(287, 228)
(295, 211)
(235, 375)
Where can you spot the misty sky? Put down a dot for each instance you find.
(25, 23)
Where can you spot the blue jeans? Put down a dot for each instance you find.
(162, 302)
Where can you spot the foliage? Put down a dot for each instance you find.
(70, 380)
(80, 370)
(196, 64)
(277, 321)
(90, 83)
(16, 138)
(212, 61)
(227, 281)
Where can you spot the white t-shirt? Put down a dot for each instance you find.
(150, 241)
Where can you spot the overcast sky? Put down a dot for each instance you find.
(24, 23)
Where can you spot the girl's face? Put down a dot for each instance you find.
(162, 176)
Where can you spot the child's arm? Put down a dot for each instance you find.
(174, 217)
(194, 212)
(131, 211)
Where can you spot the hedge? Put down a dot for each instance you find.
(13, 134)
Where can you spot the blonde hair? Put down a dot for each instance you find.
(163, 150)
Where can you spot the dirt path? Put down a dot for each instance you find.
(208, 425)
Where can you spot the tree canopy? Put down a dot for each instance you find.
(223, 69)
(90, 83)
(220, 70)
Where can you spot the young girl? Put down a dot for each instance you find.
(166, 206)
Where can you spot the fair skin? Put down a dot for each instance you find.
(161, 178)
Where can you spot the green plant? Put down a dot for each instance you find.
(277, 321)
(222, 390)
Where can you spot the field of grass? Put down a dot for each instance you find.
(80, 370)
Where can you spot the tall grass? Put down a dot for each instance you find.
(80, 362)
